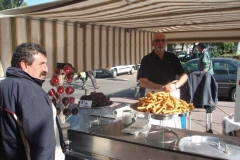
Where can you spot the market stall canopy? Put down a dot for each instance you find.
(181, 20)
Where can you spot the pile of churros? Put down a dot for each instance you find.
(163, 103)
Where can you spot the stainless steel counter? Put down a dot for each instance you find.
(87, 120)
(108, 141)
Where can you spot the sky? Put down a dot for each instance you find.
(34, 2)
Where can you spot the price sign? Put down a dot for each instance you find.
(85, 104)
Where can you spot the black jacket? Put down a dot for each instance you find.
(22, 98)
(201, 88)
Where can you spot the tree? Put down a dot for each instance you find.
(228, 46)
(182, 45)
(7, 4)
(215, 52)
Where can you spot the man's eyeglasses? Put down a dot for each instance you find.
(160, 40)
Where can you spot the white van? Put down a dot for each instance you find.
(114, 71)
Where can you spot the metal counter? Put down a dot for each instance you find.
(86, 119)
(108, 142)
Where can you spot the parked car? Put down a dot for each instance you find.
(181, 54)
(187, 57)
(114, 71)
(225, 74)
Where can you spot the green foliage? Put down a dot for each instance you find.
(7, 4)
(237, 57)
(230, 56)
(227, 56)
(215, 52)
(224, 47)
(228, 46)
(218, 52)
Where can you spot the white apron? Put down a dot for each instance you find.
(175, 122)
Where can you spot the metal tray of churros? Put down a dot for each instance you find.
(155, 116)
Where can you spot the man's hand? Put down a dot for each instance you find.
(170, 86)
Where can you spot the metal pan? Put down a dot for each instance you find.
(211, 146)
(155, 116)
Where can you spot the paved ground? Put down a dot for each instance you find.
(123, 89)
(118, 86)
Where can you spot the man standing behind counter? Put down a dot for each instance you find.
(158, 69)
(158, 72)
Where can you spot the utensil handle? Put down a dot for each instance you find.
(220, 109)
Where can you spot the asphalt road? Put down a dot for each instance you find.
(122, 84)
(123, 87)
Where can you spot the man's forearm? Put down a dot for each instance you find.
(148, 84)
(182, 80)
